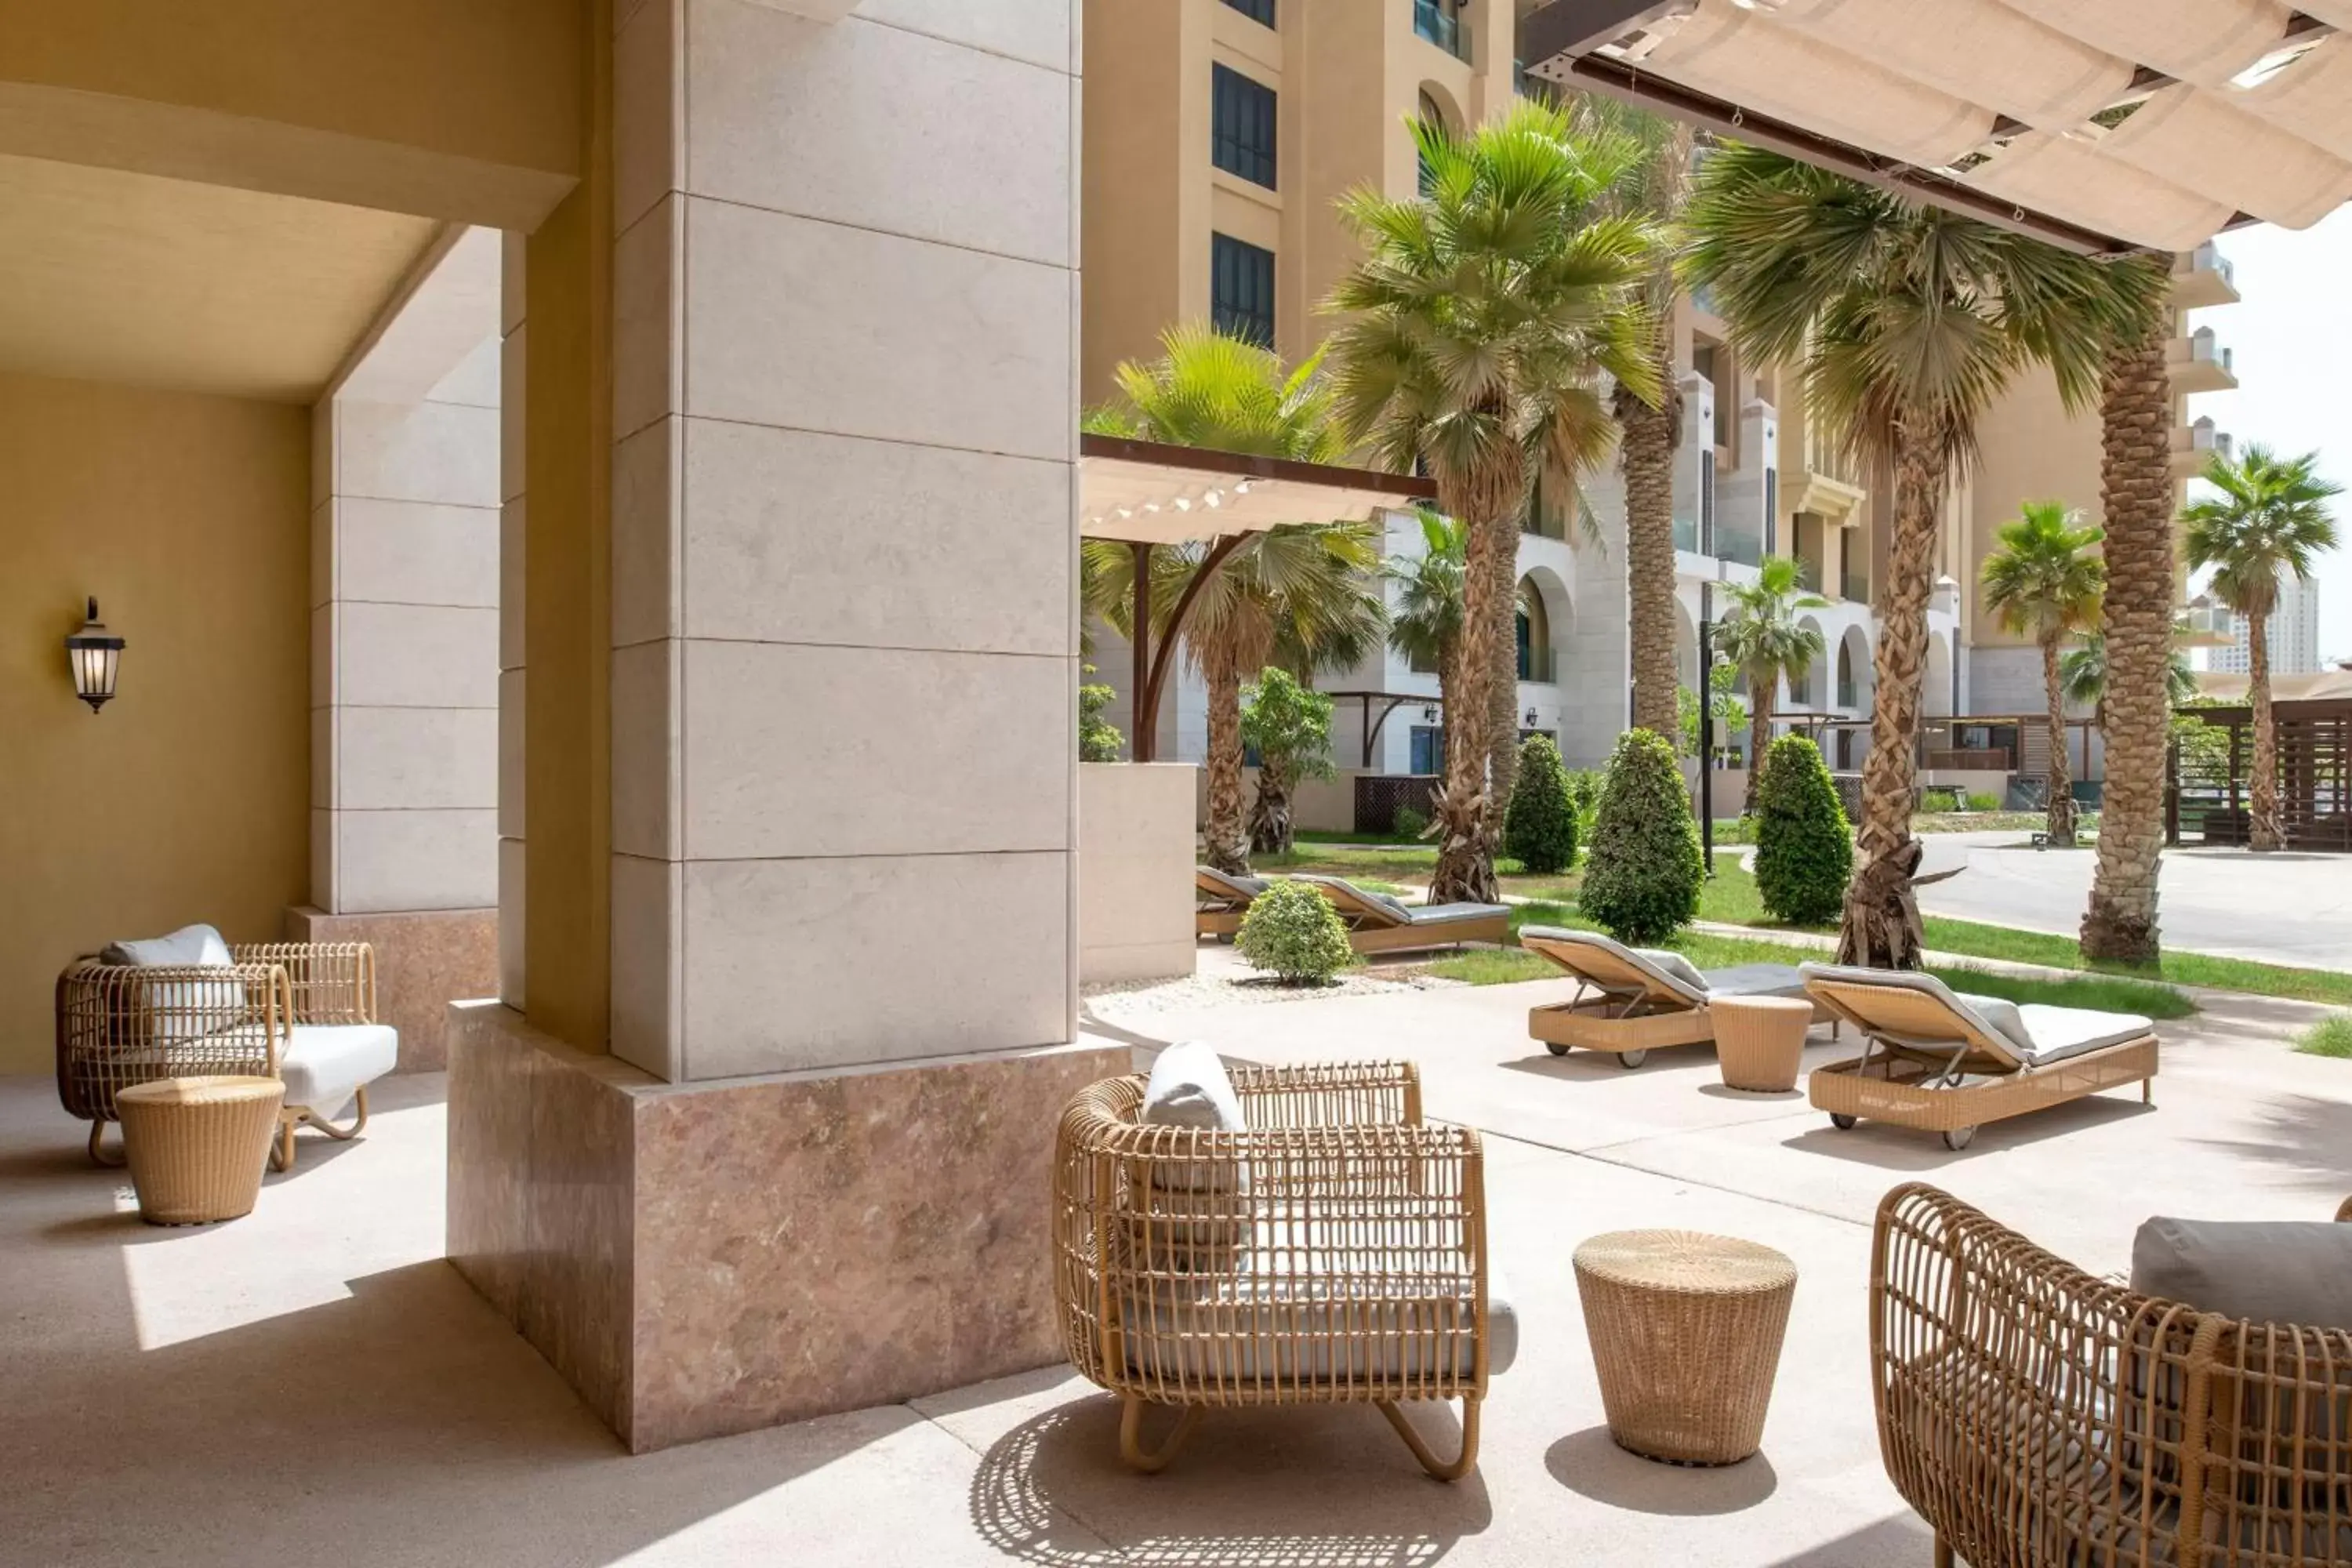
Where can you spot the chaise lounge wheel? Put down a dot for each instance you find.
(1842, 1122)
(1959, 1137)
(1555, 1048)
(1631, 1059)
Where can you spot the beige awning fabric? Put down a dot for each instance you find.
(1148, 492)
(2102, 124)
(2327, 685)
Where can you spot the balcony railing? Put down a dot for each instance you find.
(1686, 534)
(1433, 21)
(1739, 541)
(1540, 666)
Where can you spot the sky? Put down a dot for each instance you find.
(2291, 335)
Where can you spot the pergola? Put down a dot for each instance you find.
(1150, 493)
(2103, 126)
(2312, 717)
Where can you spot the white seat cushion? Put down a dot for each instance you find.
(2058, 1033)
(326, 1064)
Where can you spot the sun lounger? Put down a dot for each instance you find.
(1220, 900)
(1633, 1000)
(1378, 924)
(1943, 1062)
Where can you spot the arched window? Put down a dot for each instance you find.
(1431, 113)
(1534, 627)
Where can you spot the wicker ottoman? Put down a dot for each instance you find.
(196, 1145)
(1760, 1041)
(1685, 1332)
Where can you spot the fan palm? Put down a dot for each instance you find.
(1763, 638)
(2083, 676)
(2044, 581)
(1479, 326)
(2269, 519)
(1906, 322)
(1425, 625)
(1286, 590)
(1344, 625)
(1649, 429)
(2136, 503)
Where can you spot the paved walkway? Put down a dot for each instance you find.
(2280, 909)
(317, 1374)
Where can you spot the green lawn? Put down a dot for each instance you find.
(1730, 898)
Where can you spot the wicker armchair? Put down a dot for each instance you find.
(2035, 1415)
(1335, 1252)
(120, 1025)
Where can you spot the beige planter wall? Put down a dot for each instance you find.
(1135, 870)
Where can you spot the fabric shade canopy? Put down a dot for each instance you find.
(1148, 492)
(2104, 125)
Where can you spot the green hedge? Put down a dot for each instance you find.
(1642, 873)
(1294, 931)
(1539, 828)
(1804, 846)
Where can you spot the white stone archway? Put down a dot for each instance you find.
(1936, 693)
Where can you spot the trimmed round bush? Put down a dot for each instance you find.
(1539, 828)
(1294, 931)
(1642, 873)
(1804, 848)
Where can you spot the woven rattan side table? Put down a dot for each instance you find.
(1760, 1041)
(1687, 1333)
(196, 1145)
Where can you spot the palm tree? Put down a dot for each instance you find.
(1337, 626)
(1208, 389)
(1478, 325)
(1763, 638)
(1298, 586)
(2082, 675)
(1425, 627)
(2135, 503)
(1649, 430)
(1906, 321)
(2269, 519)
(2044, 581)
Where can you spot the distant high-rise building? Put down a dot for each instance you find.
(2294, 633)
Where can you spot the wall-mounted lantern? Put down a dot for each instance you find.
(94, 653)
(1531, 718)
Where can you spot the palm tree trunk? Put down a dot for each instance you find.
(1269, 822)
(1646, 455)
(1881, 917)
(2058, 785)
(1503, 687)
(2136, 494)
(1466, 827)
(1760, 727)
(2264, 830)
(1223, 845)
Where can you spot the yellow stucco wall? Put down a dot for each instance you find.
(186, 798)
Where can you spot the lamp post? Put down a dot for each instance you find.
(1706, 728)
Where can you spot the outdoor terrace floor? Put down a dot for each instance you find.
(315, 1382)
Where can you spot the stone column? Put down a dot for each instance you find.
(404, 593)
(841, 650)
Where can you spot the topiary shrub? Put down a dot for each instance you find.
(1643, 872)
(1291, 931)
(1805, 847)
(1539, 827)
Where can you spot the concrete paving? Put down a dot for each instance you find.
(2291, 908)
(316, 1379)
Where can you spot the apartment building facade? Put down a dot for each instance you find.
(1218, 135)
(2293, 633)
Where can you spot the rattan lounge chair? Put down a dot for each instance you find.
(1378, 924)
(2033, 1413)
(1631, 1001)
(301, 1012)
(1221, 900)
(1332, 1250)
(1943, 1062)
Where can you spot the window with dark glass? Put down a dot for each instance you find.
(1241, 289)
(1259, 11)
(1240, 125)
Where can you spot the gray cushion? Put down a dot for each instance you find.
(190, 945)
(1754, 980)
(1393, 902)
(1188, 1087)
(2002, 1014)
(326, 1064)
(1243, 888)
(1445, 914)
(1675, 964)
(182, 1012)
(2271, 1271)
(2036, 1034)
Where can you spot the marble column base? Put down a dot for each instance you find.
(699, 1259)
(424, 961)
